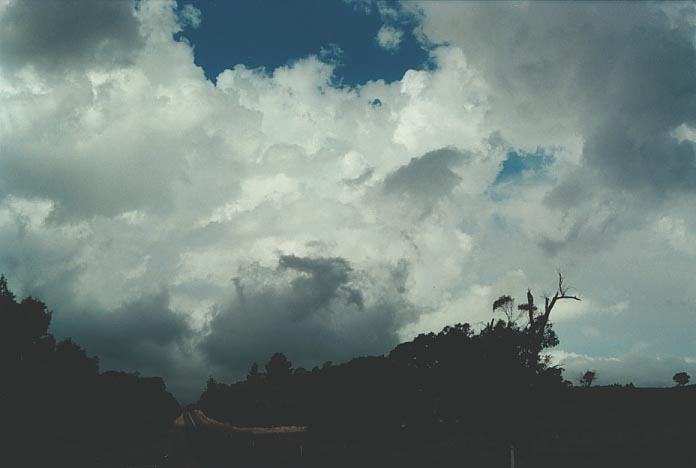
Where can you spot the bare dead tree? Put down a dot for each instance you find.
(529, 307)
(537, 323)
(561, 293)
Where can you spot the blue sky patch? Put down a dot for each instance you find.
(519, 168)
(517, 163)
(273, 33)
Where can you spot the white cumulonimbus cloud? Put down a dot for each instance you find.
(186, 227)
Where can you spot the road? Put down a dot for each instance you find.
(214, 448)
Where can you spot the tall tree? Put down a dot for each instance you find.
(278, 369)
(538, 324)
(254, 375)
(588, 378)
(506, 305)
(681, 378)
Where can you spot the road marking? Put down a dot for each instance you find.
(191, 419)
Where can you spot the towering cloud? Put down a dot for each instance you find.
(190, 227)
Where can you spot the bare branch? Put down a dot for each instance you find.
(530, 307)
(549, 304)
(563, 290)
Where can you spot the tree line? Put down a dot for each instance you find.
(495, 384)
(51, 389)
(423, 387)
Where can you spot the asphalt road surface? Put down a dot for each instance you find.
(214, 448)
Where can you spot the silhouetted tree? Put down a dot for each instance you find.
(423, 386)
(278, 369)
(588, 378)
(24, 327)
(210, 383)
(72, 362)
(254, 376)
(538, 323)
(506, 305)
(49, 387)
(681, 378)
(130, 405)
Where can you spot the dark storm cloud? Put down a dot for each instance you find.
(61, 35)
(622, 74)
(312, 309)
(139, 335)
(428, 177)
(323, 279)
(640, 159)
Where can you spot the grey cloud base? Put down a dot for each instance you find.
(311, 309)
(60, 36)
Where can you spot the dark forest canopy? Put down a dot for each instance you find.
(495, 386)
(422, 386)
(50, 387)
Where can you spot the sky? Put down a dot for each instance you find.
(191, 187)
